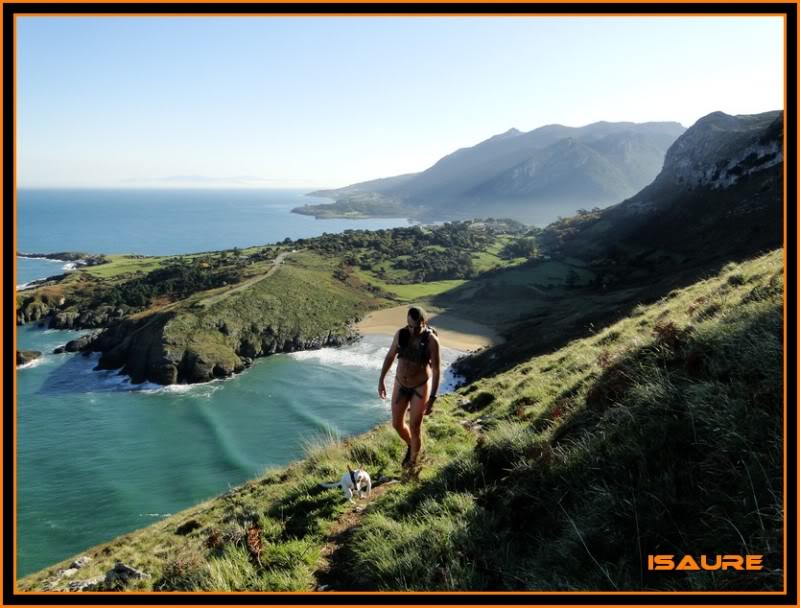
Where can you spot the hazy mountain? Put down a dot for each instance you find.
(534, 176)
(374, 185)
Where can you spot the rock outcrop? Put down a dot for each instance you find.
(147, 350)
(33, 310)
(80, 344)
(719, 150)
(102, 316)
(115, 579)
(26, 356)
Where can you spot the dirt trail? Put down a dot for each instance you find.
(222, 296)
(331, 573)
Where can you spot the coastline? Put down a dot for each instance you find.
(67, 266)
(453, 332)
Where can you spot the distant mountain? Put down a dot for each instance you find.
(534, 176)
(603, 170)
(720, 193)
(375, 186)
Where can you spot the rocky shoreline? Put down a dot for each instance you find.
(141, 349)
(78, 257)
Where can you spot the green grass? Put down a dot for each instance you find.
(658, 434)
(412, 292)
(419, 291)
(487, 260)
(124, 265)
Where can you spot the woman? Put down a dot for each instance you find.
(417, 349)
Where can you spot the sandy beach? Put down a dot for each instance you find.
(454, 332)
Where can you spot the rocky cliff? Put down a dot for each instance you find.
(720, 192)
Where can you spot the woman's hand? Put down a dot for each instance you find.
(429, 409)
(381, 389)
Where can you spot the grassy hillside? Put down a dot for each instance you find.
(659, 434)
(212, 333)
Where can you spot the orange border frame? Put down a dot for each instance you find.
(321, 3)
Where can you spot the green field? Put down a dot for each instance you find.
(409, 293)
(119, 265)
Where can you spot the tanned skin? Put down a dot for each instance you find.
(410, 374)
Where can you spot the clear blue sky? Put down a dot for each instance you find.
(299, 101)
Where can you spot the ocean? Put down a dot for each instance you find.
(98, 457)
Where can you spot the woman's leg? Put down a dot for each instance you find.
(418, 405)
(399, 407)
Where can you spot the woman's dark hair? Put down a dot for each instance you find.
(417, 314)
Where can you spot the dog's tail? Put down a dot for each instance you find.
(331, 485)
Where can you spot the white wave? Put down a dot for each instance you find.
(69, 266)
(335, 357)
(174, 388)
(201, 389)
(25, 257)
(23, 286)
(35, 363)
(450, 381)
(370, 354)
(155, 514)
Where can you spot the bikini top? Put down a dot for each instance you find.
(419, 354)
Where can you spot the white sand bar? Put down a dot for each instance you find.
(454, 332)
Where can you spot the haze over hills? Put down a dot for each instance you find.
(719, 194)
(533, 177)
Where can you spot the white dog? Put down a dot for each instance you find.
(353, 482)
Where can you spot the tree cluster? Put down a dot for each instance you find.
(439, 265)
(177, 280)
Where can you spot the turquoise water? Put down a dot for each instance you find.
(30, 269)
(97, 457)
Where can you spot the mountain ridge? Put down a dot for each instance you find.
(472, 177)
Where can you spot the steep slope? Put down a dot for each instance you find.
(660, 434)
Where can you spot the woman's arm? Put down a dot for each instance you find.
(436, 369)
(387, 365)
